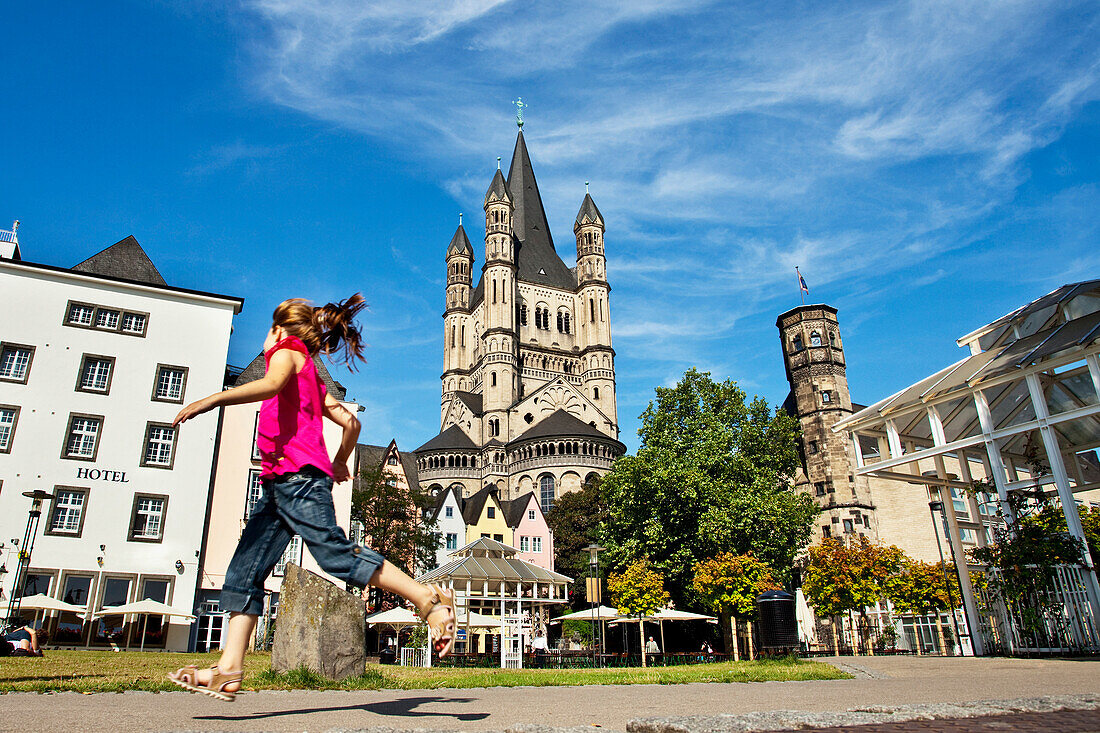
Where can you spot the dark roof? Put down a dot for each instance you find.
(536, 258)
(514, 509)
(453, 438)
(589, 211)
(257, 368)
(412, 474)
(471, 400)
(369, 456)
(460, 243)
(479, 293)
(125, 259)
(498, 189)
(471, 511)
(561, 424)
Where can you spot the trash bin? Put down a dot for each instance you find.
(778, 625)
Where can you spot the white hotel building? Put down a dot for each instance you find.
(95, 361)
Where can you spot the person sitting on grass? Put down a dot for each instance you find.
(297, 477)
(25, 641)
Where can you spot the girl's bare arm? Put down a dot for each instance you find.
(342, 416)
(279, 370)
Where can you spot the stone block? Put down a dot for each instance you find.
(319, 627)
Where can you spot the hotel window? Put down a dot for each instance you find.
(67, 512)
(524, 544)
(9, 418)
(253, 494)
(536, 544)
(452, 541)
(111, 628)
(95, 374)
(107, 318)
(80, 314)
(160, 443)
(82, 441)
(15, 362)
(292, 554)
(169, 383)
(133, 323)
(147, 522)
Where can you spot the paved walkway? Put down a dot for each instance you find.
(883, 681)
(1080, 721)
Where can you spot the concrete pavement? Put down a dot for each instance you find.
(881, 681)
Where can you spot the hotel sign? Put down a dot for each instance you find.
(102, 474)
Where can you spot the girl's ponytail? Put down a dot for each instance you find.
(335, 323)
(325, 329)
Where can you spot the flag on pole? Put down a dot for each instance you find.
(802, 282)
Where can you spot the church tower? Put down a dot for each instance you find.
(460, 261)
(594, 319)
(499, 380)
(813, 354)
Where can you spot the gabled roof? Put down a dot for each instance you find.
(460, 243)
(453, 438)
(536, 259)
(498, 189)
(561, 424)
(472, 400)
(124, 259)
(589, 212)
(441, 500)
(471, 510)
(257, 368)
(514, 509)
(369, 455)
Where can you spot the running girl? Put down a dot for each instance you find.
(297, 478)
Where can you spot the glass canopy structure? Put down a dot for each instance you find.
(1022, 411)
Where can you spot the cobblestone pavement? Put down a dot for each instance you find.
(1065, 721)
(885, 687)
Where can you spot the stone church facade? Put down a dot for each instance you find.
(528, 383)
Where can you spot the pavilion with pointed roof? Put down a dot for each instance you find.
(528, 385)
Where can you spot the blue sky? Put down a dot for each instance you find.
(928, 165)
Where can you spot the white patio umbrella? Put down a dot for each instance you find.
(396, 618)
(42, 602)
(668, 614)
(147, 607)
(475, 620)
(599, 613)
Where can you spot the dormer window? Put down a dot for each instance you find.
(815, 338)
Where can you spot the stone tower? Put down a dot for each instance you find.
(813, 354)
(528, 383)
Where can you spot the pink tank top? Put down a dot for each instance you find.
(289, 435)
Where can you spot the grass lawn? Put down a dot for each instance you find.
(98, 671)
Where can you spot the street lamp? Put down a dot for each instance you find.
(594, 599)
(933, 507)
(27, 547)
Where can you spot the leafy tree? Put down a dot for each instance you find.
(842, 577)
(575, 521)
(1053, 521)
(729, 584)
(639, 591)
(395, 522)
(712, 476)
(920, 588)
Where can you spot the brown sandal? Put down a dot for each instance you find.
(442, 635)
(188, 678)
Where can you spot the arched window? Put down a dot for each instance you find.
(565, 318)
(815, 338)
(559, 323)
(591, 310)
(523, 314)
(493, 379)
(832, 339)
(452, 335)
(462, 340)
(595, 393)
(796, 343)
(546, 492)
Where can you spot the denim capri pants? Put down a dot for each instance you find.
(292, 504)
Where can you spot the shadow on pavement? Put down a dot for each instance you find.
(405, 708)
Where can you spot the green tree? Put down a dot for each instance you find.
(842, 577)
(920, 588)
(729, 585)
(712, 476)
(575, 521)
(639, 590)
(391, 514)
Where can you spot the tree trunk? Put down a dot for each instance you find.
(836, 639)
(868, 644)
(852, 634)
(734, 644)
(939, 633)
(641, 637)
(752, 651)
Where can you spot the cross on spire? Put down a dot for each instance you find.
(520, 106)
